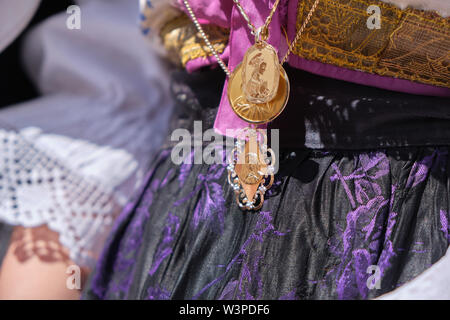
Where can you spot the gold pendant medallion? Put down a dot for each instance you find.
(260, 73)
(258, 91)
(250, 170)
(258, 88)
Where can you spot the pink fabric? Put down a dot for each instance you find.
(225, 14)
(214, 11)
(240, 40)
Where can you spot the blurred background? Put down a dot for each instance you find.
(15, 85)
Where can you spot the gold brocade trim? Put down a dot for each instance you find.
(411, 44)
(183, 43)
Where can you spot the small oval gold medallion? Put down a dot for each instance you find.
(260, 73)
(257, 113)
(250, 167)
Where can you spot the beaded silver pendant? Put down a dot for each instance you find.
(250, 169)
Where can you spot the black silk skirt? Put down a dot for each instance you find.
(359, 206)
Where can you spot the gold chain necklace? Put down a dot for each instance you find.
(258, 91)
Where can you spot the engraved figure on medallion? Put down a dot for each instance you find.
(260, 74)
(252, 169)
(257, 86)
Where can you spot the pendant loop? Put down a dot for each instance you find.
(262, 34)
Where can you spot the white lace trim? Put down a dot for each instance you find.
(107, 166)
(64, 190)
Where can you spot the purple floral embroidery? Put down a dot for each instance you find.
(126, 256)
(229, 290)
(354, 262)
(156, 293)
(360, 243)
(167, 178)
(419, 171)
(290, 295)
(388, 248)
(165, 247)
(444, 224)
(185, 168)
(211, 205)
(364, 177)
(364, 240)
(128, 249)
(97, 283)
(249, 260)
